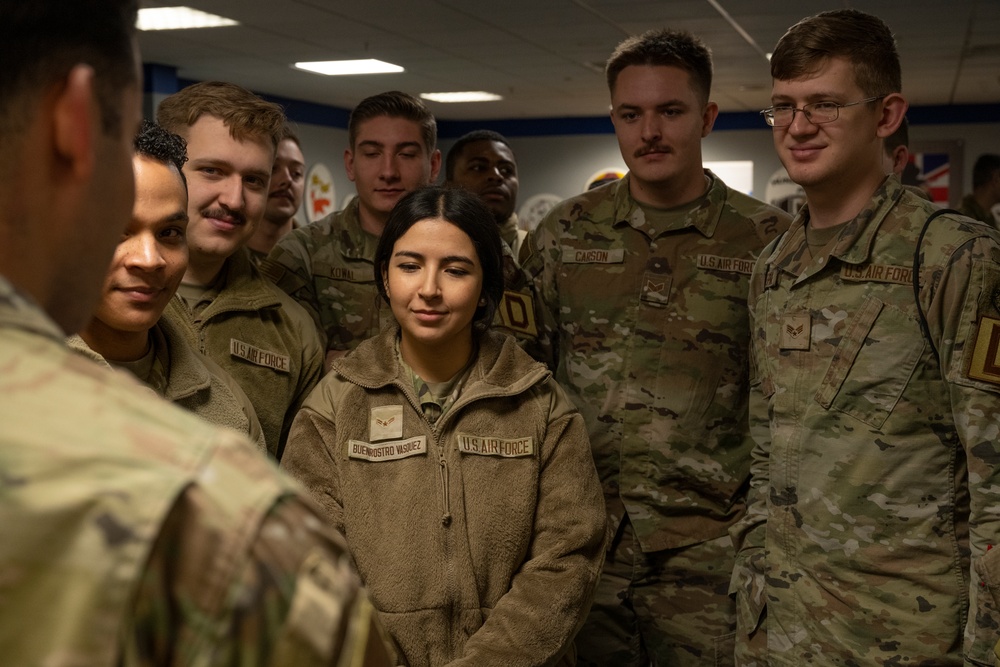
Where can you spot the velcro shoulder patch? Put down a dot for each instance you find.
(517, 312)
(985, 363)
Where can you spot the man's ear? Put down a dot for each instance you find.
(435, 165)
(894, 108)
(76, 121)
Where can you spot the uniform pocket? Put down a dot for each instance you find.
(873, 363)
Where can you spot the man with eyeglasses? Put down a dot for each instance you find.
(875, 392)
(646, 281)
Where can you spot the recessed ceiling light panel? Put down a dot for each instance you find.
(344, 67)
(179, 18)
(466, 96)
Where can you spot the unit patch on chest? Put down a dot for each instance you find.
(387, 451)
(487, 446)
(255, 355)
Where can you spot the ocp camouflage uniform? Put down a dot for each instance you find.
(261, 337)
(652, 338)
(521, 313)
(137, 534)
(877, 463)
(329, 268)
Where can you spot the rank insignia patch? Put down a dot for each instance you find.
(386, 423)
(795, 332)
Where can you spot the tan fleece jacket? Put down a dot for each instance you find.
(480, 539)
(195, 383)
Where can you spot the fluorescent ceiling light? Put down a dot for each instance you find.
(177, 18)
(339, 67)
(467, 96)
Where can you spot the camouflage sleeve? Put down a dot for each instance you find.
(747, 583)
(289, 266)
(964, 319)
(298, 598)
(540, 268)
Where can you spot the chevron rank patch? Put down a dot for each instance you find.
(386, 423)
(795, 332)
(985, 364)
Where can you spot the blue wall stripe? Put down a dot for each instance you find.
(163, 80)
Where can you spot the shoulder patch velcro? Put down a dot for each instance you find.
(517, 313)
(985, 363)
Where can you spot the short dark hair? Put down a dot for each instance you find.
(662, 47)
(476, 135)
(394, 104)
(984, 168)
(901, 137)
(246, 114)
(467, 212)
(41, 41)
(156, 143)
(863, 39)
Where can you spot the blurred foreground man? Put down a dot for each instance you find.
(876, 387)
(647, 280)
(133, 532)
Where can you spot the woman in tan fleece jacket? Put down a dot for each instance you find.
(455, 466)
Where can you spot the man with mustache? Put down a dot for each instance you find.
(256, 332)
(288, 181)
(646, 279)
(483, 163)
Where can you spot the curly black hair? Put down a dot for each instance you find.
(153, 141)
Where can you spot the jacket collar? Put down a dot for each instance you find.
(705, 218)
(500, 368)
(242, 287)
(854, 243)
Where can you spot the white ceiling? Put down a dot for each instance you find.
(546, 56)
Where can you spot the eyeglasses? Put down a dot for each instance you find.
(816, 113)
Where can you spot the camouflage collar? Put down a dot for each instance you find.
(704, 217)
(354, 241)
(855, 241)
(18, 310)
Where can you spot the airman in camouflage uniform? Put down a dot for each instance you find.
(874, 403)
(134, 533)
(328, 266)
(483, 163)
(647, 279)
